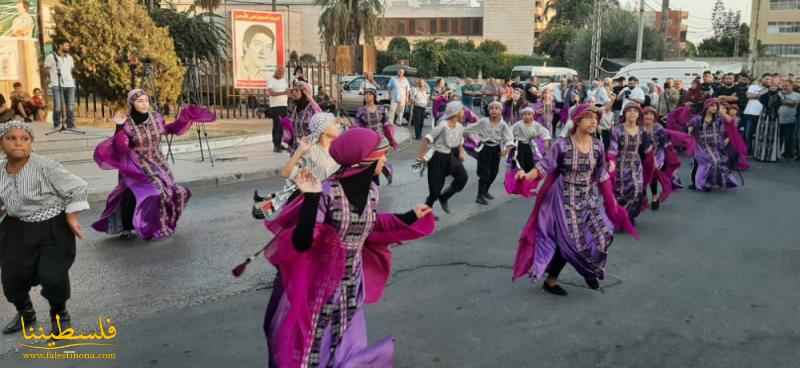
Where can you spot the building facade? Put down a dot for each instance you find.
(676, 28)
(776, 27)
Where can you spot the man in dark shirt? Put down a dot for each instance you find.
(708, 85)
(619, 85)
(532, 90)
(726, 92)
(6, 112)
(741, 92)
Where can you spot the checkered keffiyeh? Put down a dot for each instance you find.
(15, 124)
(319, 123)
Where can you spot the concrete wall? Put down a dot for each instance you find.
(776, 65)
(510, 22)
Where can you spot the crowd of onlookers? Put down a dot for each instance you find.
(771, 95)
(22, 105)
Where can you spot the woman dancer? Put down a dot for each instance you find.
(496, 139)
(568, 224)
(303, 107)
(147, 200)
(447, 140)
(710, 168)
(628, 147)
(547, 110)
(41, 202)
(373, 116)
(532, 140)
(766, 145)
(661, 163)
(331, 248)
(738, 147)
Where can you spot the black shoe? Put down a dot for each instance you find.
(127, 235)
(64, 319)
(655, 205)
(593, 284)
(15, 325)
(555, 289)
(488, 196)
(277, 150)
(481, 200)
(445, 207)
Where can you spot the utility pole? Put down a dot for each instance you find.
(665, 20)
(274, 5)
(597, 39)
(640, 39)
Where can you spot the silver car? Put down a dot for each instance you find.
(353, 94)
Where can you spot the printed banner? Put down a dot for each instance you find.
(257, 47)
(18, 18)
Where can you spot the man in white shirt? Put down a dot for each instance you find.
(278, 91)
(753, 109)
(400, 91)
(632, 93)
(62, 86)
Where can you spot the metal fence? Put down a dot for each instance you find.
(214, 88)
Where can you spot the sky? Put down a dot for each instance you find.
(699, 13)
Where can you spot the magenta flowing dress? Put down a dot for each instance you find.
(135, 152)
(315, 317)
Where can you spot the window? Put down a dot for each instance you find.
(784, 4)
(783, 27)
(783, 50)
(445, 25)
(412, 27)
(432, 26)
(434, 29)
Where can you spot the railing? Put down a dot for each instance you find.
(214, 84)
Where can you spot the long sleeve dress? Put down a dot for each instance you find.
(627, 152)
(711, 158)
(662, 161)
(529, 149)
(378, 121)
(315, 317)
(295, 127)
(571, 216)
(135, 152)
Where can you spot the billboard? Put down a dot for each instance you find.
(18, 18)
(257, 47)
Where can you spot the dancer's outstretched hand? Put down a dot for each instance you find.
(521, 175)
(307, 182)
(74, 225)
(422, 210)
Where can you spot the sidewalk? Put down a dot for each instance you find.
(242, 151)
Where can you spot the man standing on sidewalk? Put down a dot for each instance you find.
(278, 91)
(62, 86)
(400, 90)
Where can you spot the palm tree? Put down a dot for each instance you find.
(208, 5)
(344, 22)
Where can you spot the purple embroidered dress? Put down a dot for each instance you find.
(710, 156)
(626, 151)
(378, 121)
(571, 216)
(135, 151)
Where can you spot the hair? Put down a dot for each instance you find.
(25, 4)
(37, 90)
(17, 84)
(668, 84)
(300, 68)
(253, 30)
(707, 72)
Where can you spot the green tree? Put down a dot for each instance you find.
(575, 13)
(554, 42)
(206, 39)
(344, 22)
(492, 47)
(102, 32)
(399, 49)
(427, 56)
(691, 49)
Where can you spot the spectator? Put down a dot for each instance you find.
(62, 84)
(598, 95)
(708, 86)
(421, 97)
(742, 84)
(619, 85)
(653, 94)
(787, 118)
(753, 108)
(440, 88)
(6, 113)
(369, 83)
(21, 103)
(632, 93)
(298, 76)
(726, 92)
(532, 90)
(39, 105)
(669, 100)
(400, 92)
(278, 92)
(491, 92)
(470, 92)
(680, 87)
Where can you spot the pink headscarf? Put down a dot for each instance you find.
(582, 111)
(355, 150)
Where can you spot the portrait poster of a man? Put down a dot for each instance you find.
(258, 47)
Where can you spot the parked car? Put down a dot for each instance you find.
(353, 96)
(546, 74)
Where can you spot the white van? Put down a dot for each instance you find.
(546, 74)
(684, 70)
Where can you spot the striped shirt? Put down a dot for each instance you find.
(444, 139)
(492, 135)
(43, 189)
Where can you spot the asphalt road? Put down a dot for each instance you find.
(712, 283)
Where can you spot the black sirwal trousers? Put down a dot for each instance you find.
(36, 253)
(276, 114)
(488, 166)
(440, 166)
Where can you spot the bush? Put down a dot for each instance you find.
(101, 32)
